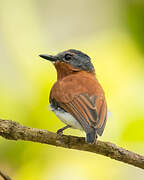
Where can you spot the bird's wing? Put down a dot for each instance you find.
(89, 111)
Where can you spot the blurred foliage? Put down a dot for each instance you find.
(135, 21)
(111, 33)
(132, 127)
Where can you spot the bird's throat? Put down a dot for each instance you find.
(64, 69)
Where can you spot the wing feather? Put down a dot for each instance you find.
(87, 112)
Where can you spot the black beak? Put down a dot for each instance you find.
(49, 57)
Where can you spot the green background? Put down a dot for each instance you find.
(112, 34)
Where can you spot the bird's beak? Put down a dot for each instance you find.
(49, 57)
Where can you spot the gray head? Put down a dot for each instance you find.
(73, 57)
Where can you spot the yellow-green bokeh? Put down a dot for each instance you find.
(111, 34)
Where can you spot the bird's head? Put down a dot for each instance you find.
(70, 61)
(75, 58)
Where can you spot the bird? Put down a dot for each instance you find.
(77, 98)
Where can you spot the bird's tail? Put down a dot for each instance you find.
(91, 136)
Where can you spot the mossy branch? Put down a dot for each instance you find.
(14, 131)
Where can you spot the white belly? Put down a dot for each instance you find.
(68, 119)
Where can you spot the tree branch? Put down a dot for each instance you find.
(5, 177)
(14, 131)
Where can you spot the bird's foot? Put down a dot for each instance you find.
(60, 131)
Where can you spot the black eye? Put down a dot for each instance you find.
(68, 57)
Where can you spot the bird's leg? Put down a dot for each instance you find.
(60, 131)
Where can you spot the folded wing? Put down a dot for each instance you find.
(89, 111)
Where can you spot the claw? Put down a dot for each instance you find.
(60, 131)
